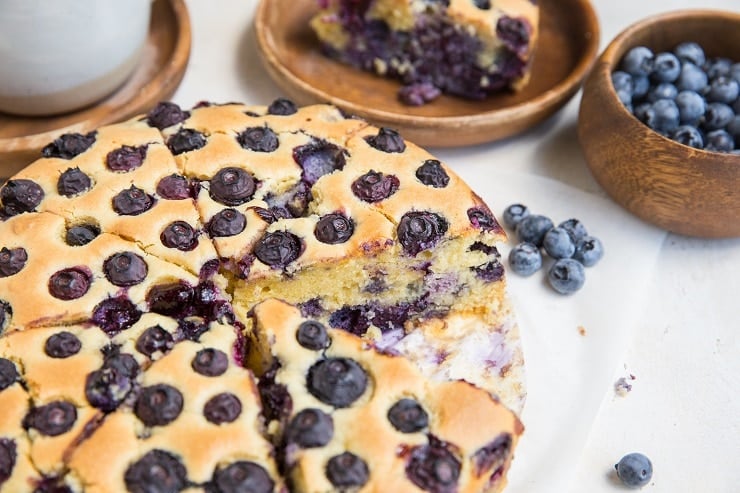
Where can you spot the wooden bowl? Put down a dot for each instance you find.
(676, 187)
(566, 49)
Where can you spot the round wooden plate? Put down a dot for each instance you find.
(162, 66)
(567, 47)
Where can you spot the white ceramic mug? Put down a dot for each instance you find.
(61, 55)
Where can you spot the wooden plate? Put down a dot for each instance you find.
(158, 74)
(567, 47)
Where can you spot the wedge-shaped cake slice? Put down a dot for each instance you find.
(348, 418)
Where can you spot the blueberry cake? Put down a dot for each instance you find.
(468, 48)
(156, 280)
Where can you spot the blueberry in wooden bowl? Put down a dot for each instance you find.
(663, 154)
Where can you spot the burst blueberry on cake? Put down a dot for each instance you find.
(468, 48)
(140, 268)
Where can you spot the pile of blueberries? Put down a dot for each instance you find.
(683, 95)
(568, 243)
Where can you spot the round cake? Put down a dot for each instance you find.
(253, 299)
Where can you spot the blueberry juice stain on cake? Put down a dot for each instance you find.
(466, 48)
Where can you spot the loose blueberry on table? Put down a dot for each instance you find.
(634, 470)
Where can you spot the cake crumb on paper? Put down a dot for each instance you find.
(582, 330)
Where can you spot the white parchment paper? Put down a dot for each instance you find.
(572, 344)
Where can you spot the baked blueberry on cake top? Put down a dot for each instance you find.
(468, 48)
(136, 262)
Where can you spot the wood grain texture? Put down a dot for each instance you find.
(676, 187)
(157, 76)
(566, 49)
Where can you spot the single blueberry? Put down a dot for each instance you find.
(723, 89)
(278, 248)
(73, 182)
(179, 235)
(644, 112)
(8, 457)
(166, 114)
(418, 93)
(642, 86)
(666, 67)
(719, 141)
(12, 260)
(688, 135)
(158, 471)
(222, 408)
(690, 51)
(566, 275)
(575, 228)
(622, 81)
(70, 284)
(154, 340)
(735, 71)
(69, 145)
(53, 419)
(173, 300)
(665, 116)
(19, 196)
(310, 428)
(347, 470)
(634, 470)
(717, 116)
(8, 373)
(664, 90)
(692, 78)
(717, 67)
(515, 213)
(558, 243)
(433, 467)
(532, 229)
(258, 139)
(333, 229)
(186, 140)
(482, 4)
(492, 457)
(226, 222)
(282, 106)
(312, 335)
(387, 140)
(432, 174)
(337, 381)
(175, 187)
(374, 186)
(514, 32)
(125, 269)
(589, 251)
(232, 186)
(132, 201)
(107, 387)
(6, 311)
(407, 416)
(242, 477)
(419, 231)
(210, 362)
(126, 158)
(525, 259)
(62, 345)
(319, 158)
(691, 107)
(733, 128)
(81, 234)
(638, 61)
(113, 315)
(481, 217)
(158, 405)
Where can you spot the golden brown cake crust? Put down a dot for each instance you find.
(131, 260)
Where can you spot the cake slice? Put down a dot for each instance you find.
(468, 48)
(348, 418)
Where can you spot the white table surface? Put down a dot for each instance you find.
(684, 407)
